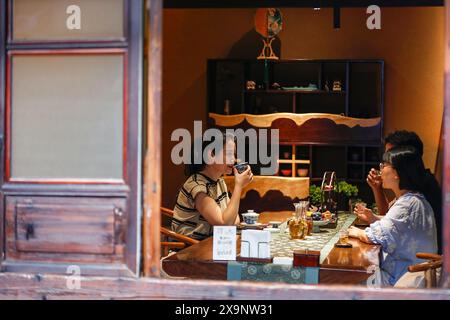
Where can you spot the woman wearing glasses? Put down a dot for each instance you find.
(432, 190)
(409, 225)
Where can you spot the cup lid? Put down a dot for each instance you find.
(250, 213)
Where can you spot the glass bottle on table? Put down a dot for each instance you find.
(293, 223)
(310, 224)
(328, 188)
(304, 218)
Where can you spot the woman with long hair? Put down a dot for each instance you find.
(409, 225)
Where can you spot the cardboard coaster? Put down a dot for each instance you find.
(362, 225)
(257, 226)
(256, 260)
(343, 245)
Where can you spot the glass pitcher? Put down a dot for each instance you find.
(298, 226)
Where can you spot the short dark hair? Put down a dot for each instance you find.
(409, 166)
(193, 167)
(405, 138)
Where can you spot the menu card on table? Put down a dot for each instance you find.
(224, 243)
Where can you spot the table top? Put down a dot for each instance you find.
(357, 259)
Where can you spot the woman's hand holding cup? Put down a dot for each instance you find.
(374, 179)
(244, 178)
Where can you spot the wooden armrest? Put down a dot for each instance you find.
(425, 266)
(178, 245)
(167, 212)
(435, 261)
(178, 236)
(428, 256)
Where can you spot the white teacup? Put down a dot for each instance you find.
(250, 217)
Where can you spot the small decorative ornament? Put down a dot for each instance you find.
(337, 86)
(268, 23)
(251, 85)
(276, 86)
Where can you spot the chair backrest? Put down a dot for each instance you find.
(171, 239)
(271, 193)
(167, 212)
(429, 268)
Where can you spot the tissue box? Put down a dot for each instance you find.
(255, 244)
(306, 258)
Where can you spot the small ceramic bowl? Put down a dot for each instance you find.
(250, 217)
(286, 172)
(302, 172)
(317, 224)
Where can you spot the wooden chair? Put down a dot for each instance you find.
(429, 268)
(181, 242)
(271, 193)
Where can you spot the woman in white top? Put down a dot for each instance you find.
(409, 225)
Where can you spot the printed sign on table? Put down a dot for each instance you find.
(224, 243)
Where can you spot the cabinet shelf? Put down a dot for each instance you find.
(282, 91)
(319, 130)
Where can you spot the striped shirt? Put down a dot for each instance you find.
(186, 219)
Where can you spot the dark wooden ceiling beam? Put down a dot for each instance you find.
(298, 3)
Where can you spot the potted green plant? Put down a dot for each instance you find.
(346, 193)
(315, 195)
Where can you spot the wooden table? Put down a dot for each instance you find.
(341, 266)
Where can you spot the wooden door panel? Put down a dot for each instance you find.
(52, 219)
(65, 225)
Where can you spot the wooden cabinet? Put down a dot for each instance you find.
(329, 112)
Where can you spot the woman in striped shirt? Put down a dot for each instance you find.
(203, 200)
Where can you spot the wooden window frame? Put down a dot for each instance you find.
(210, 4)
(113, 42)
(152, 196)
(157, 288)
(131, 188)
(92, 52)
